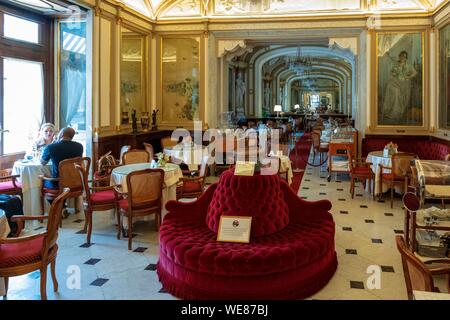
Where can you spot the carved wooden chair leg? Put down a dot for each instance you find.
(53, 271)
(130, 231)
(44, 283)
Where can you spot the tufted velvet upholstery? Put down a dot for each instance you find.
(425, 148)
(269, 211)
(292, 263)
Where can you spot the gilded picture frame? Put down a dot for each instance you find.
(399, 81)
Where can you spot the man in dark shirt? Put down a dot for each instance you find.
(63, 149)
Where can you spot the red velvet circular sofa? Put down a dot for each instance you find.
(291, 254)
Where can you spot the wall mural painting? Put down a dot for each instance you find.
(180, 74)
(400, 79)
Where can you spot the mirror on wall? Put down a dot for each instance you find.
(132, 75)
(444, 75)
(180, 79)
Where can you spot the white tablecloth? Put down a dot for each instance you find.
(172, 174)
(376, 158)
(4, 231)
(29, 172)
(187, 153)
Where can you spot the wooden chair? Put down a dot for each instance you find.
(319, 147)
(135, 156)
(168, 142)
(400, 170)
(9, 184)
(144, 197)
(68, 178)
(149, 148)
(283, 174)
(417, 275)
(23, 255)
(360, 170)
(411, 203)
(193, 187)
(97, 198)
(105, 164)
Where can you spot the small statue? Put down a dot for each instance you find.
(134, 121)
(154, 112)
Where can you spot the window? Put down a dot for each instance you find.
(73, 77)
(22, 113)
(20, 29)
(26, 73)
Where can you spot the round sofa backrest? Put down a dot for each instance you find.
(260, 197)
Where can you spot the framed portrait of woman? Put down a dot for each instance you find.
(399, 95)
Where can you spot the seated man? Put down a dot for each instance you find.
(63, 149)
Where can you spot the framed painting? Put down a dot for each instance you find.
(399, 79)
(444, 77)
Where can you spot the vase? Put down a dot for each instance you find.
(125, 118)
(145, 121)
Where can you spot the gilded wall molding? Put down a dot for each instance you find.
(345, 43)
(226, 46)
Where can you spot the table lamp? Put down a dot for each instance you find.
(277, 109)
(297, 108)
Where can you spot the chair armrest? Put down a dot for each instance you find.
(23, 239)
(441, 270)
(27, 218)
(191, 179)
(102, 188)
(383, 167)
(48, 178)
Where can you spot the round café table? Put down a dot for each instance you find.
(377, 158)
(172, 174)
(29, 171)
(4, 231)
(187, 153)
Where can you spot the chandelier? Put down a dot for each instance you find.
(300, 64)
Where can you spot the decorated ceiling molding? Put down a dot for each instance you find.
(173, 9)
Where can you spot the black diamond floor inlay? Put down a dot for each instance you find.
(304, 197)
(162, 290)
(340, 189)
(369, 221)
(151, 267)
(307, 180)
(377, 241)
(347, 229)
(92, 261)
(322, 194)
(388, 214)
(381, 201)
(81, 232)
(305, 188)
(343, 212)
(387, 268)
(363, 206)
(359, 195)
(323, 185)
(78, 221)
(356, 284)
(341, 199)
(399, 231)
(351, 251)
(86, 245)
(99, 282)
(140, 249)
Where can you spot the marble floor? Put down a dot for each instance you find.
(365, 232)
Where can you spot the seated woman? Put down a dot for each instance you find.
(45, 137)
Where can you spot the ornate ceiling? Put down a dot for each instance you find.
(173, 9)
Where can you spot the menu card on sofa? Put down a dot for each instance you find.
(234, 229)
(244, 168)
